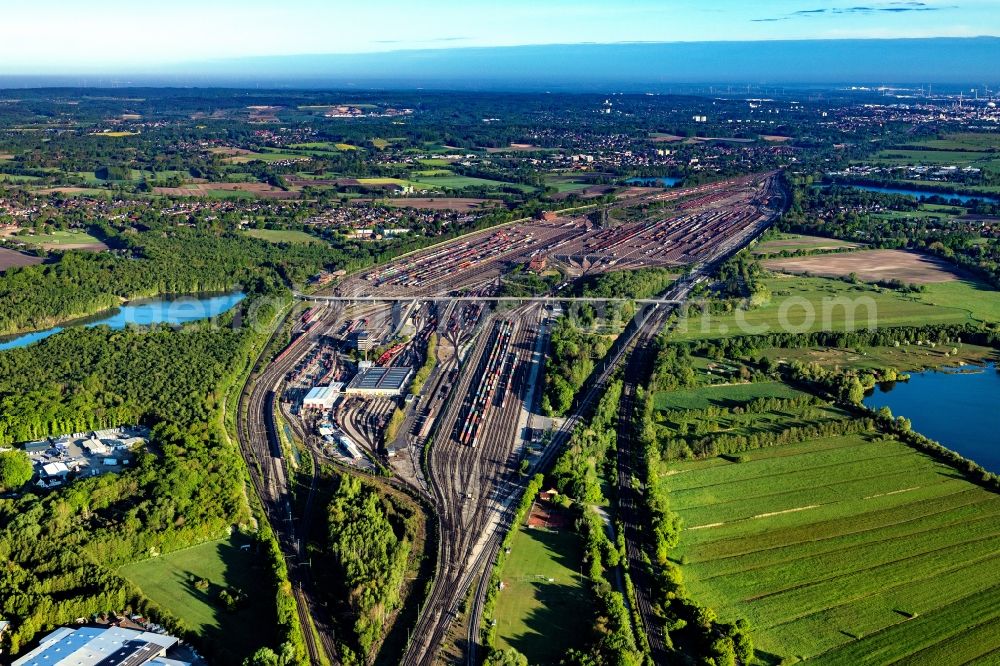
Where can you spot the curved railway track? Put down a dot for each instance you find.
(473, 489)
(473, 527)
(260, 445)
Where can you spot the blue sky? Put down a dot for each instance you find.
(40, 36)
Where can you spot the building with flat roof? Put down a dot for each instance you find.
(379, 382)
(363, 341)
(322, 397)
(107, 646)
(37, 447)
(55, 469)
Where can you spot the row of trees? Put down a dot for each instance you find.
(688, 628)
(369, 540)
(587, 458)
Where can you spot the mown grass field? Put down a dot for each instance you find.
(283, 236)
(845, 550)
(725, 395)
(545, 607)
(905, 357)
(976, 298)
(802, 304)
(169, 581)
(60, 239)
(799, 242)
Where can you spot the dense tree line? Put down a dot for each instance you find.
(586, 459)
(369, 541)
(61, 549)
(571, 358)
(750, 345)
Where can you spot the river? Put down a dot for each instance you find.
(173, 310)
(665, 181)
(956, 407)
(923, 195)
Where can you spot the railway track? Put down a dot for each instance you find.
(474, 489)
(473, 527)
(640, 355)
(260, 445)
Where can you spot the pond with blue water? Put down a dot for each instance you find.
(958, 407)
(173, 310)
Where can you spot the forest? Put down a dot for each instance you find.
(173, 260)
(369, 541)
(61, 550)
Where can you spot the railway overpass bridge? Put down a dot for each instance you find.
(444, 298)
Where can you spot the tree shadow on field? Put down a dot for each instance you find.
(768, 658)
(564, 617)
(563, 621)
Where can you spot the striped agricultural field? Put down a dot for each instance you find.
(846, 550)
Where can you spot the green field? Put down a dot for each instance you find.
(435, 161)
(433, 173)
(267, 156)
(459, 182)
(798, 243)
(979, 300)
(283, 236)
(963, 141)
(802, 304)
(725, 395)
(323, 146)
(566, 184)
(932, 157)
(59, 238)
(169, 581)
(907, 358)
(545, 607)
(846, 550)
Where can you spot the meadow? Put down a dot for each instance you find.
(846, 550)
(802, 304)
(545, 607)
(724, 395)
(963, 141)
(976, 298)
(63, 240)
(283, 236)
(170, 580)
(799, 243)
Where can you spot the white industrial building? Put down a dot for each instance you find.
(90, 646)
(55, 469)
(322, 397)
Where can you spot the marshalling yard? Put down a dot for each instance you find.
(462, 442)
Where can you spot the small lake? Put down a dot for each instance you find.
(924, 195)
(665, 181)
(174, 310)
(956, 407)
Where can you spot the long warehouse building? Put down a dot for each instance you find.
(380, 382)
